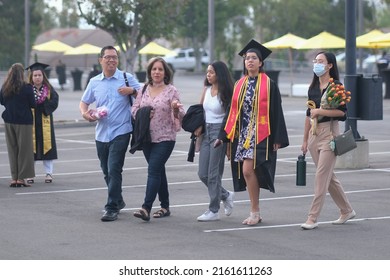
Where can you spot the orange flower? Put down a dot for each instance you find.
(336, 95)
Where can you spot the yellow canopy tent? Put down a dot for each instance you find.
(383, 40)
(52, 46)
(155, 49)
(287, 41)
(364, 41)
(84, 49)
(324, 40)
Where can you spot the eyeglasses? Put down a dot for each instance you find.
(251, 57)
(319, 61)
(110, 57)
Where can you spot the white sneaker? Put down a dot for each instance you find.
(228, 204)
(208, 216)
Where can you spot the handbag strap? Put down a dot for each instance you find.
(331, 124)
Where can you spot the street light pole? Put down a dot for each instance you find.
(26, 32)
(350, 64)
(211, 30)
(359, 157)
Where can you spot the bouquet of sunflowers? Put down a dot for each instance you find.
(335, 96)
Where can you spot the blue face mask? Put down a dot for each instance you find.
(319, 69)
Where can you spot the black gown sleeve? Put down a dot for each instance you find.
(50, 105)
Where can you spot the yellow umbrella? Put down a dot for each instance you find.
(383, 40)
(84, 49)
(52, 46)
(286, 41)
(364, 41)
(153, 48)
(324, 40)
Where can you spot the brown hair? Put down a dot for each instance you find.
(167, 70)
(14, 80)
(45, 80)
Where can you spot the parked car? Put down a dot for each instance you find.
(185, 59)
(340, 58)
(369, 64)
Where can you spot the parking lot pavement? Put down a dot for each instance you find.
(61, 220)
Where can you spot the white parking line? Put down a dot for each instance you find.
(290, 225)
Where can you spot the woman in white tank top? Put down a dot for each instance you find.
(215, 99)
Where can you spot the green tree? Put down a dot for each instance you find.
(68, 17)
(133, 24)
(229, 23)
(12, 31)
(193, 27)
(232, 30)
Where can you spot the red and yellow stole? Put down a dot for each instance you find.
(260, 112)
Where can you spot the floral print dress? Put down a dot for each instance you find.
(246, 112)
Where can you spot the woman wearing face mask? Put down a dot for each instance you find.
(316, 139)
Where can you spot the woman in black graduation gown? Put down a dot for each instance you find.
(46, 97)
(256, 127)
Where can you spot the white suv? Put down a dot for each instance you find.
(185, 59)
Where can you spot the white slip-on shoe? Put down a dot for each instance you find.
(228, 204)
(343, 220)
(208, 216)
(309, 226)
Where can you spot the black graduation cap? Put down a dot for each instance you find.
(37, 66)
(257, 46)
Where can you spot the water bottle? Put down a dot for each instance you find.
(301, 171)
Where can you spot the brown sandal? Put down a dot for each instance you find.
(22, 183)
(142, 214)
(162, 213)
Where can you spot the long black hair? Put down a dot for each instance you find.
(333, 72)
(225, 82)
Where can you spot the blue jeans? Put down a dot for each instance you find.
(211, 166)
(112, 157)
(157, 154)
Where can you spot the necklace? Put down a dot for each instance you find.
(41, 94)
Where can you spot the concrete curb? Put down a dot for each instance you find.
(64, 123)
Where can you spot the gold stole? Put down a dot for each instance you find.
(46, 131)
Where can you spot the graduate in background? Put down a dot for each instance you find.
(255, 126)
(45, 148)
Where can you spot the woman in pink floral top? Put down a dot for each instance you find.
(165, 121)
